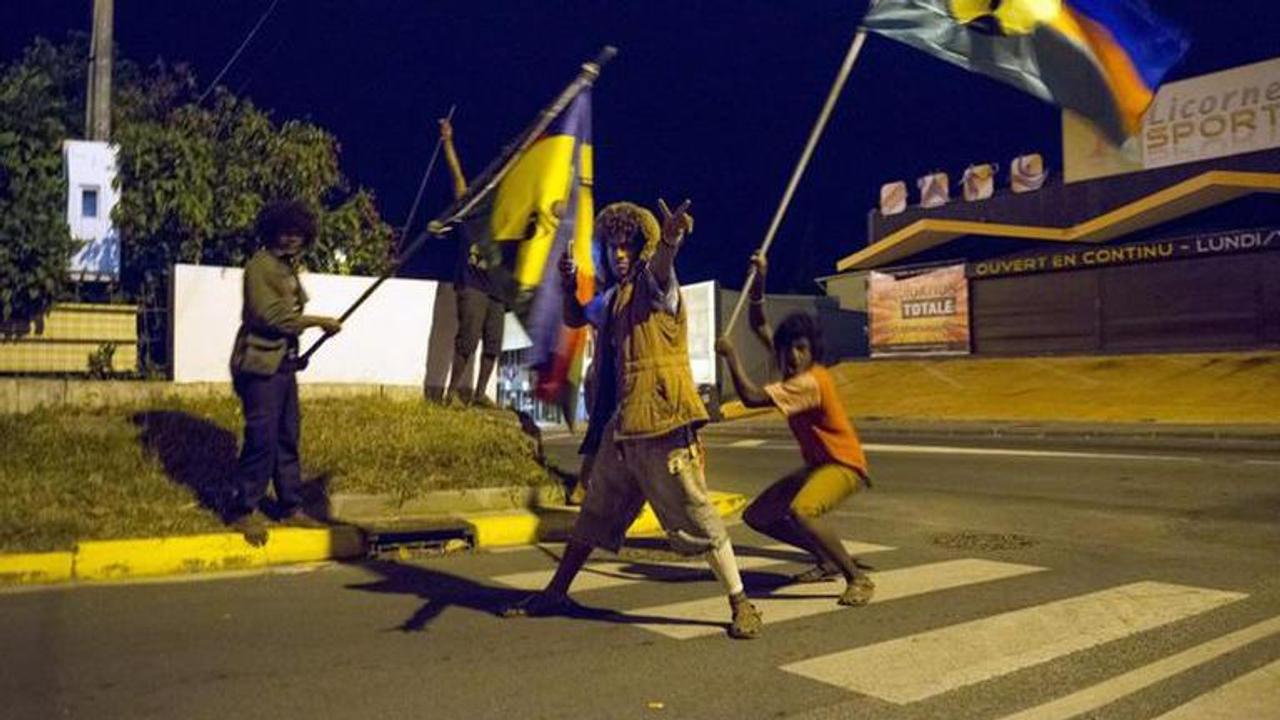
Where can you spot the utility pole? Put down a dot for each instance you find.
(98, 104)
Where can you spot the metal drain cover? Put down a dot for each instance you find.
(659, 555)
(983, 541)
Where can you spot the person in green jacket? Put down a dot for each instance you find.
(264, 364)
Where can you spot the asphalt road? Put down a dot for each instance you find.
(1025, 580)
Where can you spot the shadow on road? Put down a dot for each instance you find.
(442, 591)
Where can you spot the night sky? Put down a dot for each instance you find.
(709, 100)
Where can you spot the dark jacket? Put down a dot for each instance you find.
(271, 317)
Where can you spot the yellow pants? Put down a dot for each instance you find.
(811, 492)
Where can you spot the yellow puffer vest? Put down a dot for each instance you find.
(656, 394)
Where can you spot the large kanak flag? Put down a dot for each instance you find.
(1103, 59)
(542, 208)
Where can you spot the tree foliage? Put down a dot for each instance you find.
(193, 177)
(36, 115)
(197, 177)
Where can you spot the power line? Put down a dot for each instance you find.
(404, 232)
(253, 72)
(239, 50)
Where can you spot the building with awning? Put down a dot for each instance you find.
(1147, 250)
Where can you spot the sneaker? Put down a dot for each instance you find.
(747, 621)
(253, 525)
(825, 572)
(816, 574)
(540, 604)
(858, 592)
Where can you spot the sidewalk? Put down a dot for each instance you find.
(1224, 400)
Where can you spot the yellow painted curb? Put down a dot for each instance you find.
(647, 523)
(502, 529)
(36, 568)
(99, 560)
(526, 527)
(121, 559)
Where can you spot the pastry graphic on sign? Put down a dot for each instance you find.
(1027, 173)
(934, 190)
(893, 198)
(979, 181)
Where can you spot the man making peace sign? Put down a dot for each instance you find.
(645, 412)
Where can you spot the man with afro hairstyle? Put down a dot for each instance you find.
(645, 411)
(264, 363)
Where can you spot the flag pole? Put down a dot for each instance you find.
(498, 169)
(850, 58)
(484, 184)
(422, 186)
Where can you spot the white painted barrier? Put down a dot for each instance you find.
(385, 342)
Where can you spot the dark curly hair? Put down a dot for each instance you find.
(283, 217)
(626, 220)
(799, 325)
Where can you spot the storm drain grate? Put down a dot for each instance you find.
(401, 544)
(657, 555)
(983, 541)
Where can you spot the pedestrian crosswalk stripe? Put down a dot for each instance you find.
(1096, 696)
(595, 576)
(746, 443)
(920, 666)
(696, 618)
(1255, 695)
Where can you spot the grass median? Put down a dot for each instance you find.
(160, 469)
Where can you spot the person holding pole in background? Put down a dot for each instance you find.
(649, 448)
(790, 510)
(481, 309)
(264, 364)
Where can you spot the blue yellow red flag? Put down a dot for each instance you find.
(1103, 59)
(541, 209)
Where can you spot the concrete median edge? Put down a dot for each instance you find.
(95, 561)
(36, 568)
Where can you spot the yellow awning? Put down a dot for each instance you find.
(1189, 196)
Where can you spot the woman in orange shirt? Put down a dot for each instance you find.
(791, 509)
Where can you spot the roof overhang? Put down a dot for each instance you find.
(1184, 198)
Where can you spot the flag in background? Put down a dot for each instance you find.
(542, 208)
(1101, 58)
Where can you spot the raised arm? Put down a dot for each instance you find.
(451, 158)
(749, 393)
(756, 315)
(675, 226)
(574, 314)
